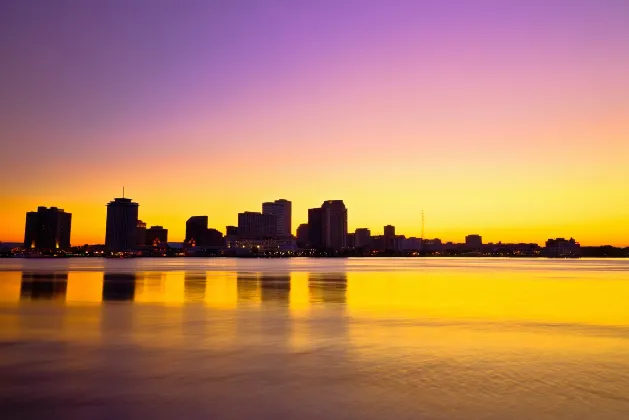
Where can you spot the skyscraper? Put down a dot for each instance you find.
(315, 228)
(122, 222)
(334, 224)
(282, 210)
(47, 229)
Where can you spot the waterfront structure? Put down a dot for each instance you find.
(253, 225)
(362, 238)
(141, 233)
(156, 235)
(315, 228)
(474, 241)
(334, 225)
(239, 245)
(282, 210)
(122, 225)
(47, 229)
(562, 248)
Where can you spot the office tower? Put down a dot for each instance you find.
(141, 233)
(255, 225)
(156, 235)
(231, 230)
(362, 238)
(47, 229)
(389, 237)
(122, 225)
(282, 210)
(315, 228)
(472, 241)
(302, 235)
(334, 224)
(196, 230)
(213, 238)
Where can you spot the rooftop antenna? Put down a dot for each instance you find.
(422, 225)
(123, 192)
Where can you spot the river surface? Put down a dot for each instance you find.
(314, 338)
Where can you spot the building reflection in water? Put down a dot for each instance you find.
(275, 288)
(248, 288)
(194, 287)
(328, 288)
(119, 286)
(44, 286)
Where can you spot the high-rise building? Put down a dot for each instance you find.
(47, 229)
(351, 241)
(362, 238)
(196, 230)
(389, 237)
(315, 228)
(122, 225)
(282, 210)
(141, 233)
(156, 235)
(302, 235)
(255, 225)
(334, 224)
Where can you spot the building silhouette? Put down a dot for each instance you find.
(315, 228)
(362, 238)
(302, 235)
(141, 233)
(47, 229)
(198, 234)
(156, 235)
(562, 248)
(334, 225)
(253, 225)
(196, 229)
(122, 225)
(473, 241)
(389, 238)
(282, 210)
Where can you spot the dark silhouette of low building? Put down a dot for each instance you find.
(198, 234)
(47, 229)
(562, 248)
(302, 235)
(141, 233)
(473, 241)
(362, 238)
(156, 235)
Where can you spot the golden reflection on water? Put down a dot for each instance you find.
(549, 296)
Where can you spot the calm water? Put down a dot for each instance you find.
(314, 339)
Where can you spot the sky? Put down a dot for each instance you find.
(506, 119)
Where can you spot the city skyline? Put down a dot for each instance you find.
(327, 228)
(502, 118)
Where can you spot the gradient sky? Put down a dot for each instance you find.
(505, 118)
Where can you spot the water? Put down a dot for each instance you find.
(311, 339)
